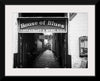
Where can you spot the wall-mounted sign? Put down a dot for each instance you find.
(83, 46)
(42, 24)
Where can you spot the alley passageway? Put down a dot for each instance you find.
(46, 60)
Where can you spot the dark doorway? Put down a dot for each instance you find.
(38, 50)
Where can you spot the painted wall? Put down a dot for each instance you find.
(78, 26)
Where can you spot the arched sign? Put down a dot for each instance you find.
(42, 24)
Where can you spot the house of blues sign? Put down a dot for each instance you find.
(42, 24)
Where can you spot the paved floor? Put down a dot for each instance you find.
(46, 60)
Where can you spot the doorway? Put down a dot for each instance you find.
(41, 50)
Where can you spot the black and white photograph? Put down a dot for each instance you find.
(49, 40)
(49, 47)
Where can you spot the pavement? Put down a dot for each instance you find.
(46, 60)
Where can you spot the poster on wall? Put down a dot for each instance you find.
(44, 40)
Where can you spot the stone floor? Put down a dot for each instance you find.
(46, 60)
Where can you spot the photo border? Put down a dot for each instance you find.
(29, 2)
